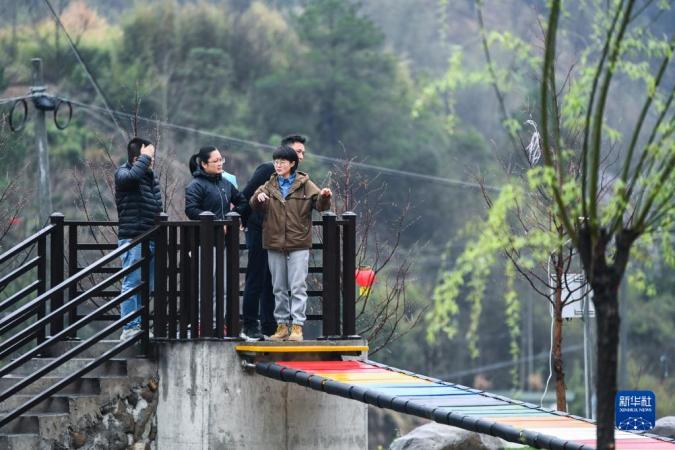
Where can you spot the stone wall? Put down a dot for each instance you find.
(128, 421)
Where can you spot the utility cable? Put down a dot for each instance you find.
(13, 99)
(402, 173)
(507, 363)
(550, 366)
(86, 69)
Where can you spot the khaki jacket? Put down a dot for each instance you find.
(288, 221)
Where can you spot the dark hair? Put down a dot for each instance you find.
(292, 138)
(201, 156)
(134, 147)
(287, 153)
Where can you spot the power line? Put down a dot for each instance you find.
(509, 363)
(86, 69)
(374, 167)
(13, 99)
(111, 112)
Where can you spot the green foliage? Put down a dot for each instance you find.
(512, 313)
(258, 70)
(334, 87)
(662, 388)
(439, 95)
(471, 271)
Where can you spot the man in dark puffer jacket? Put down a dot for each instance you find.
(139, 200)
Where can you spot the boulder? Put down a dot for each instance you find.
(435, 436)
(665, 426)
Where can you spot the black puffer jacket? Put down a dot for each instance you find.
(211, 193)
(138, 198)
(254, 219)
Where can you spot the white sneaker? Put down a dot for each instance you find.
(128, 332)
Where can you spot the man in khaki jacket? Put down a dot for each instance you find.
(287, 200)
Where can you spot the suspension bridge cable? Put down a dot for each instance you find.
(86, 69)
(374, 167)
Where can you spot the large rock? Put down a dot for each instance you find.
(434, 436)
(385, 425)
(665, 426)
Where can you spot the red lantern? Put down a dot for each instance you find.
(365, 277)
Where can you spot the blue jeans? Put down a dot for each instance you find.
(133, 279)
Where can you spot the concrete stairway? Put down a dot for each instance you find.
(48, 422)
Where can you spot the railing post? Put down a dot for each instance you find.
(160, 322)
(145, 293)
(232, 286)
(219, 280)
(185, 294)
(206, 242)
(56, 269)
(331, 254)
(194, 280)
(42, 286)
(72, 269)
(348, 271)
(172, 295)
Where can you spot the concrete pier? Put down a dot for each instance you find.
(207, 401)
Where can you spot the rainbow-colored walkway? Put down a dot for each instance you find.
(452, 404)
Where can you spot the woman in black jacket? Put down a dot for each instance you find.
(209, 191)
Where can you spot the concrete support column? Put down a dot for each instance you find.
(206, 401)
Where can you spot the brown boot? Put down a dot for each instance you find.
(296, 333)
(281, 334)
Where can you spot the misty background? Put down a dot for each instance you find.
(394, 86)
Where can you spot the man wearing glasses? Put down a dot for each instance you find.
(258, 303)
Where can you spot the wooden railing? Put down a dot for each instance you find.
(196, 293)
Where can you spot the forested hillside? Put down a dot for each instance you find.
(400, 89)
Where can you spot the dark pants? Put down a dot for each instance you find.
(258, 296)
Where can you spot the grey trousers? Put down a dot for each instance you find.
(289, 273)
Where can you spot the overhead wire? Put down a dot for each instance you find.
(111, 113)
(98, 89)
(250, 143)
(13, 99)
(508, 363)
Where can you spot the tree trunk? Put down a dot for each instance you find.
(558, 368)
(560, 387)
(608, 323)
(605, 280)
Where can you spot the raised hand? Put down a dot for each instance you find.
(326, 193)
(148, 150)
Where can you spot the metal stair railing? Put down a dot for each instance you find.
(21, 317)
(26, 264)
